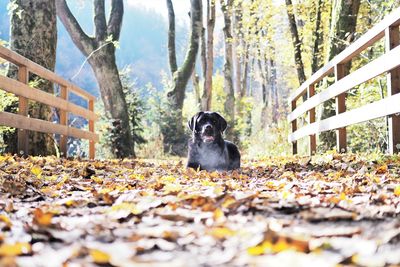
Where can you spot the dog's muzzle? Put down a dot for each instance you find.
(207, 133)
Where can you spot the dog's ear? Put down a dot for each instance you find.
(192, 122)
(222, 122)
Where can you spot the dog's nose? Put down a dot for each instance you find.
(208, 127)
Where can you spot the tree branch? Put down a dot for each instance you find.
(171, 38)
(100, 20)
(79, 37)
(115, 20)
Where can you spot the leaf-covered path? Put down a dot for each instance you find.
(278, 211)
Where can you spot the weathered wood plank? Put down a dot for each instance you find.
(20, 61)
(22, 122)
(92, 148)
(23, 90)
(375, 68)
(294, 129)
(365, 41)
(393, 87)
(341, 135)
(384, 107)
(64, 121)
(311, 117)
(23, 142)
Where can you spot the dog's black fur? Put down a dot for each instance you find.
(207, 149)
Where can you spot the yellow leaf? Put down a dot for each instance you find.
(397, 190)
(36, 170)
(69, 202)
(167, 179)
(286, 194)
(5, 219)
(221, 232)
(172, 188)
(97, 179)
(105, 190)
(12, 250)
(342, 196)
(126, 206)
(99, 256)
(218, 190)
(260, 249)
(62, 182)
(256, 250)
(136, 177)
(207, 183)
(228, 201)
(218, 213)
(281, 245)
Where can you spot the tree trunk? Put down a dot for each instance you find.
(101, 54)
(34, 36)
(229, 105)
(196, 88)
(207, 91)
(274, 91)
(237, 54)
(315, 65)
(107, 76)
(245, 71)
(343, 26)
(173, 131)
(173, 66)
(297, 46)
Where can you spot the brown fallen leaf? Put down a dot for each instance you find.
(42, 218)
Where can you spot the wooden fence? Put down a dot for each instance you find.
(388, 63)
(23, 123)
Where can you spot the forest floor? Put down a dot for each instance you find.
(284, 211)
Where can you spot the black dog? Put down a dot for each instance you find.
(207, 149)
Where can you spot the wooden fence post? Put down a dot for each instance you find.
(294, 128)
(63, 121)
(392, 39)
(311, 117)
(23, 142)
(341, 135)
(92, 149)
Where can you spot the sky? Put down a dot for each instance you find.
(181, 7)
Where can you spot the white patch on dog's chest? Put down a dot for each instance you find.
(212, 158)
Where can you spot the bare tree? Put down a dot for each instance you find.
(315, 65)
(100, 51)
(229, 105)
(209, 62)
(174, 132)
(297, 45)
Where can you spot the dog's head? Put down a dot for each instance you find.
(207, 125)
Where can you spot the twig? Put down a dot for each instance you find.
(87, 58)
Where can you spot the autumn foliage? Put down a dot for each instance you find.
(326, 210)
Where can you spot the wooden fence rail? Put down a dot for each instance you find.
(388, 63)
(25, 93)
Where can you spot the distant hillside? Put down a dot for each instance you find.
(142, 45)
